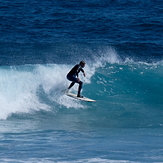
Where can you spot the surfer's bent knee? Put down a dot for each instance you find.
(80, 83)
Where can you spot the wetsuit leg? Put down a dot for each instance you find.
(71, 85)
(75, 80)
(80, 87)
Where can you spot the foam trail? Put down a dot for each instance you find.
(18, 91)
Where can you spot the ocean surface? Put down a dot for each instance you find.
(121, 42)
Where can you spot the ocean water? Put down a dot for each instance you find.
(121, 42)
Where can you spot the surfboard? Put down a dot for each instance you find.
(79, 98)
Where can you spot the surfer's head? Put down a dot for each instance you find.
(82, 64)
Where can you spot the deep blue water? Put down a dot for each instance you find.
(121, 43)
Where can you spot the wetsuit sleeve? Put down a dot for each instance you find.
(82, 70)
(79, 71)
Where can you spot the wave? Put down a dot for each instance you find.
(128, 93)
(31, 87)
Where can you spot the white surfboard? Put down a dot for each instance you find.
(79, 98)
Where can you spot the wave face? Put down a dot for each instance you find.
(128, 92)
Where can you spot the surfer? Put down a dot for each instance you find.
(73, 76)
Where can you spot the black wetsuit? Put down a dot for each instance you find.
(74, 72)
(73, 76)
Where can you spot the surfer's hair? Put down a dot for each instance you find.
(82, 63)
